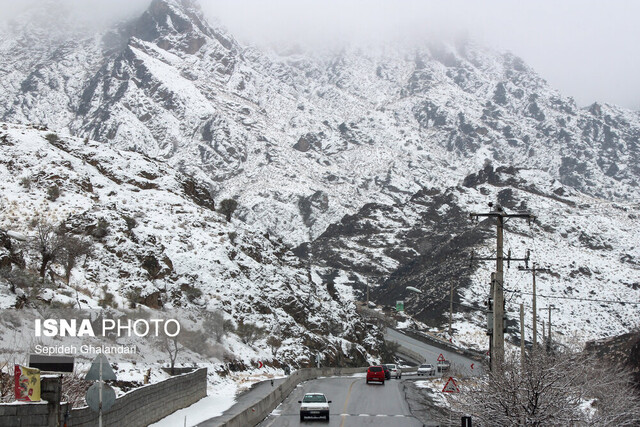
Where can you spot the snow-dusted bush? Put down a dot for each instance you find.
(552, 389)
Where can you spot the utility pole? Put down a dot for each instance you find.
(498, 289)
(522, 335)
(533, 270)
(551, 307)
(451, 311)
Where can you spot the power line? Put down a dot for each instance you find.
(575, 298)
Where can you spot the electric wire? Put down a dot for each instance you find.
(575, 298)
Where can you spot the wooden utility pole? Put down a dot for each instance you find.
(498, 289)
(551, 307)
(522, 335)
(451, 311)
(533, 270)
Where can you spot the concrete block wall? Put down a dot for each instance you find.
(262, 409)
(137, 408)
(146, 405)
(24, 414)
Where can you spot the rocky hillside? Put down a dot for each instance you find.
(156, 241)
(301, 138)
(429, 243)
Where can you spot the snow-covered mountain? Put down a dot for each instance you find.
(397, 137)
(157, 242)
(588, 244)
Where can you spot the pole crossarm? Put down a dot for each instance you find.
(508, 259)
(534, 269)
(503, 215)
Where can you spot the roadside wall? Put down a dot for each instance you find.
(256, 413)
(137, 408)
(410, 354)
(24, 414)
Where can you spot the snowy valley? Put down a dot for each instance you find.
(350, 168)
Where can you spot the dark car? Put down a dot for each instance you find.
(375, 373)
(387, 372)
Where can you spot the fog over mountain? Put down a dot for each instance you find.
(587, 49)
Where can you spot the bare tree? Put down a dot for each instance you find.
(274, 344)
(172, 347)
(71, 249)
(214, 324)
(47, 242)
(549, 390)
(248, 332)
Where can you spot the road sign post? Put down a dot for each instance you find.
(100, 370)
(399, 306)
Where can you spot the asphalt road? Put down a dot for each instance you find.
(354, 403)
(460, 364)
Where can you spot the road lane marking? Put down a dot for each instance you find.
(377, 415)
(346, 402)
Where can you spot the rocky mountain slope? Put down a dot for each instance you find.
(588, 244)
(301, 138)
(373, 157)
(157, 242)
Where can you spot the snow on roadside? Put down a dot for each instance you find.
(210, 406)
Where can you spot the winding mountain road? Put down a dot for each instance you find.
(461, 365)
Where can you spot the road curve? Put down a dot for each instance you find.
(354, 403)
(460, 364)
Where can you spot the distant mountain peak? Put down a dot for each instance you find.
(177, 25)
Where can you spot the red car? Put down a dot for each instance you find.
(375, 373)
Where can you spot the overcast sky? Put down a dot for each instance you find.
(585, 48)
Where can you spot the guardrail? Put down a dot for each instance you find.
(410, 354)
(443, 344)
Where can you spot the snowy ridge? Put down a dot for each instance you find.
(368, 125)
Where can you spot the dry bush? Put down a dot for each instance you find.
(74, 389)
(6, 383)
(550, 390)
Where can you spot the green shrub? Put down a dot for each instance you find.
(101, 229)
(191, 292)
(232, 237)
(52, 137)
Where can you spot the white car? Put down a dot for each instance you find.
(394, 370)
(426, 369)
(314, 405)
